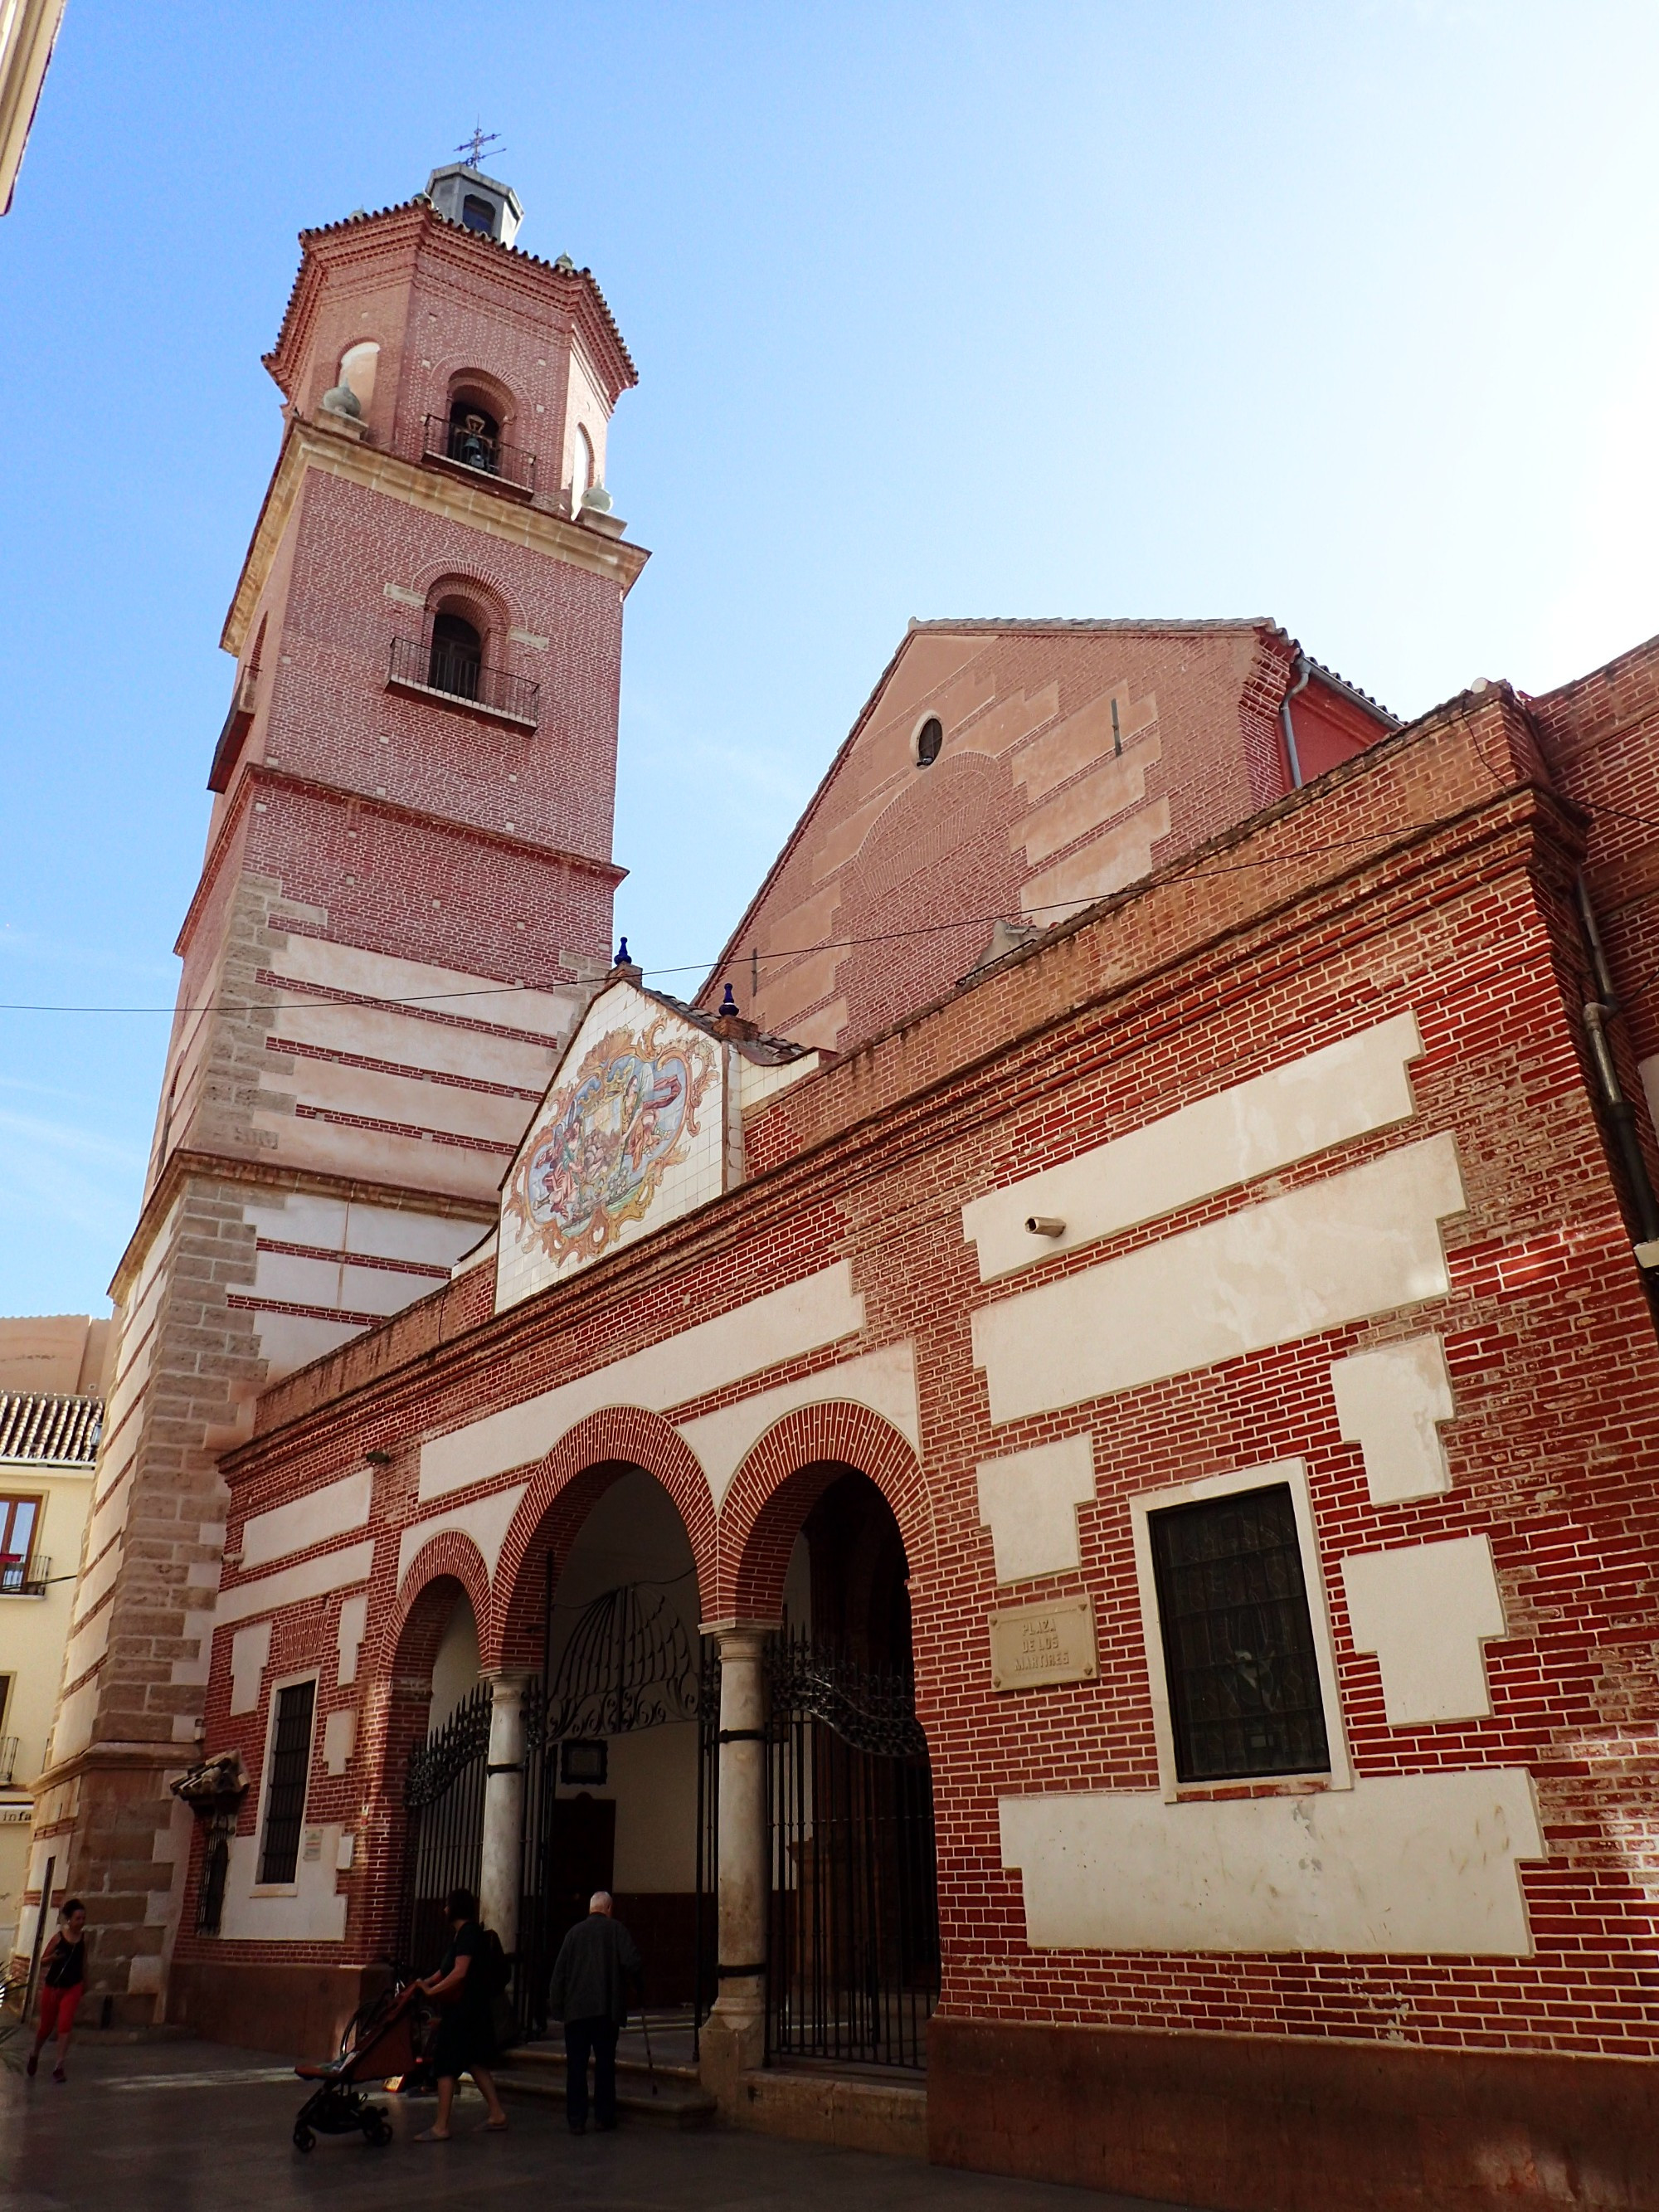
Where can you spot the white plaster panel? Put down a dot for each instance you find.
(312, 1519)
(1425, 1610)
(312, 1911)
(756, 1084)
(1118, 856)
(304, 1219)
(75, 1717)
(1353, 1245)
(436, 1239)
(486, 1520)
(446, 990)
(293, 1585)
(250, 1654)
(295, 1280)
(1029, 1502)
(1648, 1071)
(1400, 1863)
(342, 1089)
(383, 1290)
(884, 1381)
(408, 1041)
(335, 1148)
(803, 1315)
(339, 1739)
(107, 1562)
(354, 1627)
(290, 1340)
(87, 1646)
(193, 1672)
(1341, 1092)
(1389, 1402)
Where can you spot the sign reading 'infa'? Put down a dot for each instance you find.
(1032, 1645)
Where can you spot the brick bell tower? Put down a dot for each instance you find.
(404, 905)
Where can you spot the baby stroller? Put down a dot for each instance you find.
(380, 2040)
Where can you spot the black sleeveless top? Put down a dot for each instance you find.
(68, 1965)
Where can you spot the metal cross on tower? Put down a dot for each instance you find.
(474, 146)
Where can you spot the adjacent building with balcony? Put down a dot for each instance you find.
(51, 1408)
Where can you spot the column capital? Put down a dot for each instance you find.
(513, 1680)
(733, 1634)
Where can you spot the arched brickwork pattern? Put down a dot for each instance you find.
(397, 1701)
(562, 1492)
(778, 1483)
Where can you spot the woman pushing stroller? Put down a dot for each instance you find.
(465, 2041)
(62, 1985)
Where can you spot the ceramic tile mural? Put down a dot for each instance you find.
(628, 1136)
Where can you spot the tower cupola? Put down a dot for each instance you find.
(465, 195)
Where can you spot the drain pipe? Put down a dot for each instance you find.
(1598, 1012)
(1301, 684)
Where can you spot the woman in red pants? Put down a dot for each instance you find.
(63, 1983)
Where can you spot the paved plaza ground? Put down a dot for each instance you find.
(198, 2127)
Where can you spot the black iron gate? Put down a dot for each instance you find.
(627, 1663)
(444, 1846)
(853, 1945)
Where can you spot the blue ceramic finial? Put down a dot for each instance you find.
(622, 960)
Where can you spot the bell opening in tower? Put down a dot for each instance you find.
(457, 656)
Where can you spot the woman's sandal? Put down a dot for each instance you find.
(494, 2127)
(430, 2135)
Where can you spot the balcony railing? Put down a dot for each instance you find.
(444, 671)
(24, 1577)
(476, 449)
(8, 1760)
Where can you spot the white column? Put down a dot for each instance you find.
(735, 2036)
(503, 1812)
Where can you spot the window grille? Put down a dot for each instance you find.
(285, 1800)
(1238, 1645)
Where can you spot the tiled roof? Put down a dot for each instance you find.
(51, 1432)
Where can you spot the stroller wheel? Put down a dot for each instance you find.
(379, 2131)
(304, 2140)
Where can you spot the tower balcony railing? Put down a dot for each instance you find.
(24, 1577)
(462, 679)
(8, 1760)
(477, 450)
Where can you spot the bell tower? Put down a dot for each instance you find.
(403, 909)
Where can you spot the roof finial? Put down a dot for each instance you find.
(621, 959)
(474, 146)
(728, 1004)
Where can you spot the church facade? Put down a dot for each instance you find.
(1050, 1483)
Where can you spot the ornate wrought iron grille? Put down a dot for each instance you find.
(444, 1849)
(1238, 1648)
(627, 1663)
(853, 1949)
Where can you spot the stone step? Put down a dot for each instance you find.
(680, 2101)
(552, 2055)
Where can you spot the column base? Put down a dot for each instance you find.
(732, 2042)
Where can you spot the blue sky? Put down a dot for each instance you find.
(1344, 313)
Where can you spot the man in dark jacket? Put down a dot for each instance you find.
(597, 1961)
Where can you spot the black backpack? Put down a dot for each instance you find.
(496, 1970)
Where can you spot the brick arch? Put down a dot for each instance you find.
(451, 1556)
(781, 1479)
(476, 578)
(562, 1493)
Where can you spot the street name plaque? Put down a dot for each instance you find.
(1032, 1645)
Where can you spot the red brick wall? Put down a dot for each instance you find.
(1432, 875)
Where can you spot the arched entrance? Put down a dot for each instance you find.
(611, 1773)
(438, 1752)
(852, 1934)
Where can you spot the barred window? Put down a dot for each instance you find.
(1238, 1643)
(285, 1798)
